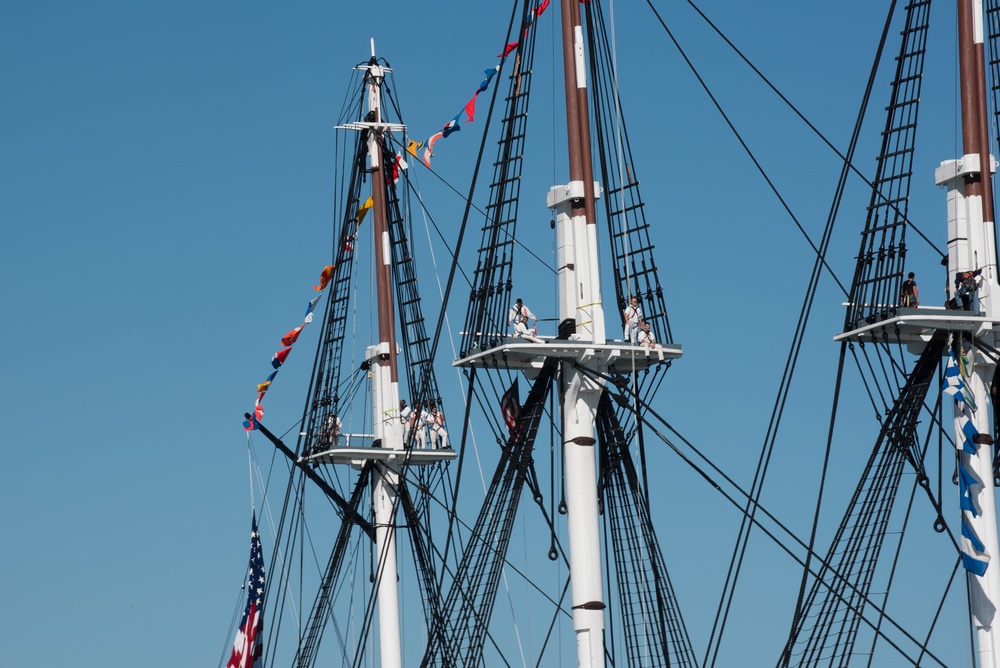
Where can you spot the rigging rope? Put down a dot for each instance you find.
(820, 255)
(649, 413)
(784, 387)
(801, 116)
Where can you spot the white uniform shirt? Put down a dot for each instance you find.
(519, 315)
(633, 314)
(434, 420)
(333, 424)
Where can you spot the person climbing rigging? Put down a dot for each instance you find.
(632, 315)
(518, 318)
(910, 293)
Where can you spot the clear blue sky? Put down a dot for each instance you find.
(166, 178)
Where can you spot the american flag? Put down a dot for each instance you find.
(510, 406)
(248, 647)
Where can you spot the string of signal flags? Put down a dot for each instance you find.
(287, 341)
(469, 110)
(413, 148)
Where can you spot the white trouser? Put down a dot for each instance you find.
(438, 431)
(521, 328)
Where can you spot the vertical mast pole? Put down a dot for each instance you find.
(385, 386)
(580, 307)
(593, 305)
(383, 256)
(975, 119)
(971, 246)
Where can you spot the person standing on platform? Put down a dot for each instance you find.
(910, 293)
(331, 430)
(435, 426)
(418, 422)
(518, 317)
(632, 315)
(404, 417)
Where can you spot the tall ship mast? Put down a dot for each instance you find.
(843, 612)
(387, 454)
(396, 470)
(972, 252)
(542, 506)
(585, 405)
(598, 383)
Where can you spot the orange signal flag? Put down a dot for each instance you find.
(363, 209)
(324, 278)
(413, 146)
(292, 336)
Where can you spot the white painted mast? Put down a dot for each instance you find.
(389, 453)
(581, 343)
(385, 388)
(972, 246)
(580, 302)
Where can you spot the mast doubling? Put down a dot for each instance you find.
(972, 248)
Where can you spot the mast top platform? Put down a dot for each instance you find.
(916, 326)
(357, 456)
(516, 353)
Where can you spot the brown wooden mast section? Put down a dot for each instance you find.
(383, 268)
(975, 124)
(577, 115)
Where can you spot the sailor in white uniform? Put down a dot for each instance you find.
(435, 426)
(646, 338)
(331, 430)
(518, 318)
(418, 421)
(404, 417)
(632, 315)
